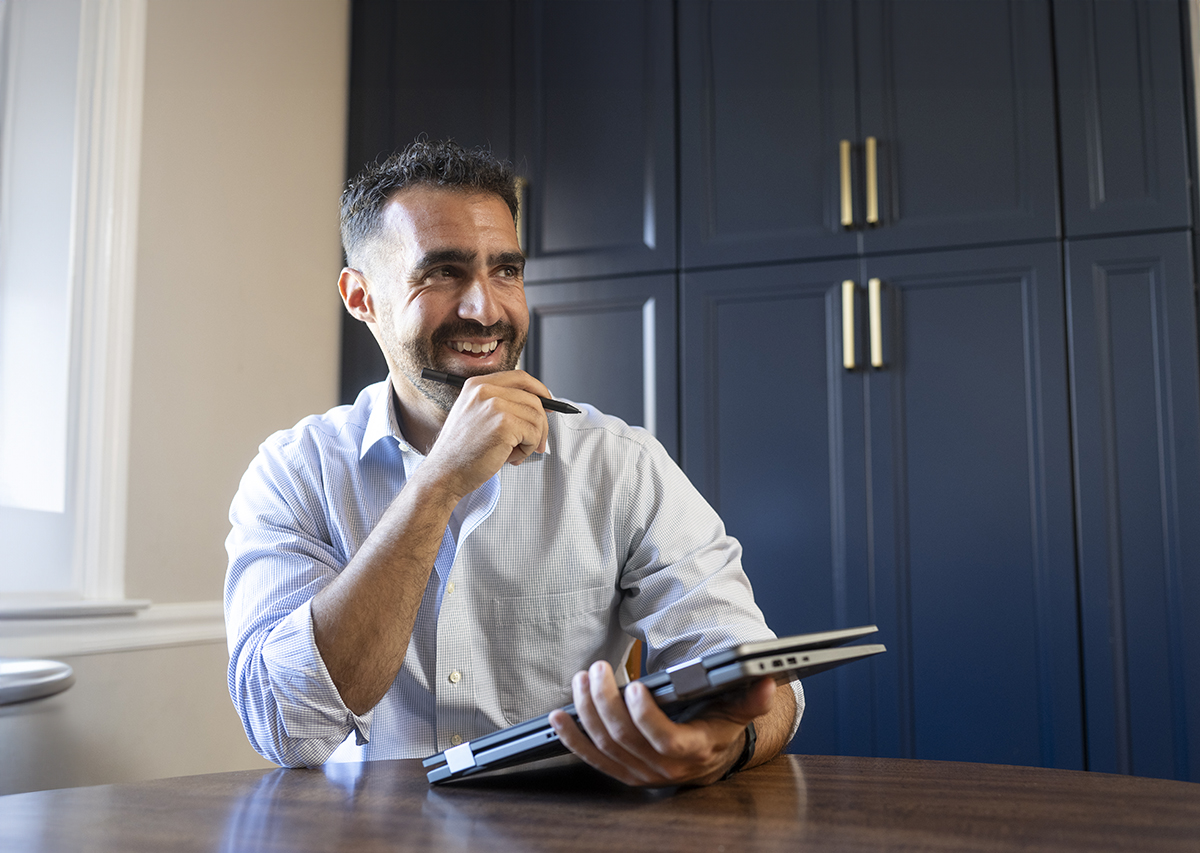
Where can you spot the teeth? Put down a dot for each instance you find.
(477, 349)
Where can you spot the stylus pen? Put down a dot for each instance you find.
(457, 381)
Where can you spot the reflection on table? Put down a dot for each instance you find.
(794, 802)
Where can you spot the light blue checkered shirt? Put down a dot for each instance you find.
(549, 566)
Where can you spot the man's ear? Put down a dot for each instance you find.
(356, 295)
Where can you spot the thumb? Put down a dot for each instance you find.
(755, 702)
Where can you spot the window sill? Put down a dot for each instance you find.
(70, 609)
(123, 626)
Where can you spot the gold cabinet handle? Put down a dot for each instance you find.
(872, 181)
(847, 197)
(873, 310)
(521, 185)
(849, 359)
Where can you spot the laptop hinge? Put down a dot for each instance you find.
(688, 678)
(460, 757)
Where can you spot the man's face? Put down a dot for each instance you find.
(448, 289)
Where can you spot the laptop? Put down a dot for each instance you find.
(682, 691)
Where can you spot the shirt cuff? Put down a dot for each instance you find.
(309, 703)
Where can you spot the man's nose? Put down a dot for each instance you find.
(479, 302)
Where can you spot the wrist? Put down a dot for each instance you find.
(747, 753)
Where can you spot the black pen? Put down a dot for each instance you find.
(457, 381)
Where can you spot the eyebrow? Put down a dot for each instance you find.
(515, 259)
(460, 256)
(444, 256)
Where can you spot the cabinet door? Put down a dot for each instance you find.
(773, 437)
(612, 344)
(401, 86)
(767, 93)
(1137, 444)
(960, 96)
(1121, 102)
(596, 136)
(972, 555)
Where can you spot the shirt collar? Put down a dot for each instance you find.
(383, 422)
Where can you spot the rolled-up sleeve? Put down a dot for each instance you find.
(280, 556)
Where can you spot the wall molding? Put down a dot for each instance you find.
(154, 627)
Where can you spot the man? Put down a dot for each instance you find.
(428, 565)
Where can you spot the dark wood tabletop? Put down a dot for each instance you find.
(791, 803)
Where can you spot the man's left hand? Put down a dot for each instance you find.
(630, 738)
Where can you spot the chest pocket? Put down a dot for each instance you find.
(552, 637)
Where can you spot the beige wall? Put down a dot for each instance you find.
(236, 335)
(130, 716)
(236, 321)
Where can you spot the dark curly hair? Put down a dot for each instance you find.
(439, 163)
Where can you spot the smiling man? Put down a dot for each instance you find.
(429, 565)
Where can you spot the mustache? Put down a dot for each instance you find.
(501, 330)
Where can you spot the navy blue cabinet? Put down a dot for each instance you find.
(814, 129)
(767, 95)
(595, 136)
(1124, 131)
(971, 561)
(611, 343)
(931, 495)
(960, 97)
(1137, 457)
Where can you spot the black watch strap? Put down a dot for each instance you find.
(747, 752)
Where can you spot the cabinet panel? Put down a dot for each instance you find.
(1124, 141)
(611, 344)
(972, 552)
(767, 91)
(773, 438)
(595, 136)
(961, 99)
(1137, 444)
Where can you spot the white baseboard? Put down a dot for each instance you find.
(155, 626)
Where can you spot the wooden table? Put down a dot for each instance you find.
(792, 803)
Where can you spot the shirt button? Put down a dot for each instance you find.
(456, 740)
(450, 588)
(455, 677)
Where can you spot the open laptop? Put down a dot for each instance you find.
(683, 691)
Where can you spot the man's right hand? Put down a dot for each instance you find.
(497, 419)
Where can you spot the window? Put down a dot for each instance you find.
(70, 84)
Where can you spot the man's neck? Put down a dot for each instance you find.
(420, 423)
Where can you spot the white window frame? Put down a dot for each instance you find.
(103, 268)
(102, 264)
(104, 272)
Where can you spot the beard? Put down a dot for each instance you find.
(412, 355)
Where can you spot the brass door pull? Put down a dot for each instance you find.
(874, 313)
(847, 196)
(872, 181)
(849, 357)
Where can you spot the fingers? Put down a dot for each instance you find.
(497, 419)
(513, 394)
(631, 739)
(606, 736)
